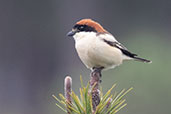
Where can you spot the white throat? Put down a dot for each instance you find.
(84, 35)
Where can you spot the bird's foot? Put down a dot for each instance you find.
(97, 72)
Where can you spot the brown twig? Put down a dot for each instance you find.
(68, 89)
(95, 82)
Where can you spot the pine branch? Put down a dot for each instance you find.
(92, 100)
(68, 89)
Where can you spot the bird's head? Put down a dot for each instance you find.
(86, 26)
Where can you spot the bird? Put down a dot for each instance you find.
(97, 48)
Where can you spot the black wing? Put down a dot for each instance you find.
(125, 51)
(121, 47)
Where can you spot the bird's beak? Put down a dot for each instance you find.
(72, 32)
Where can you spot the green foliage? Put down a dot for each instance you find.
(109, 104)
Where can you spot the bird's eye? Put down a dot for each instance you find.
(81, 28)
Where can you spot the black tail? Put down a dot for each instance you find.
(142, 60)
(126, 52)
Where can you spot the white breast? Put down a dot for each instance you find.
(94, 52)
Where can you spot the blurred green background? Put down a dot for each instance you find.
(36, 54)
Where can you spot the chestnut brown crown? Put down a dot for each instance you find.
(86, 25)
(93, 24)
